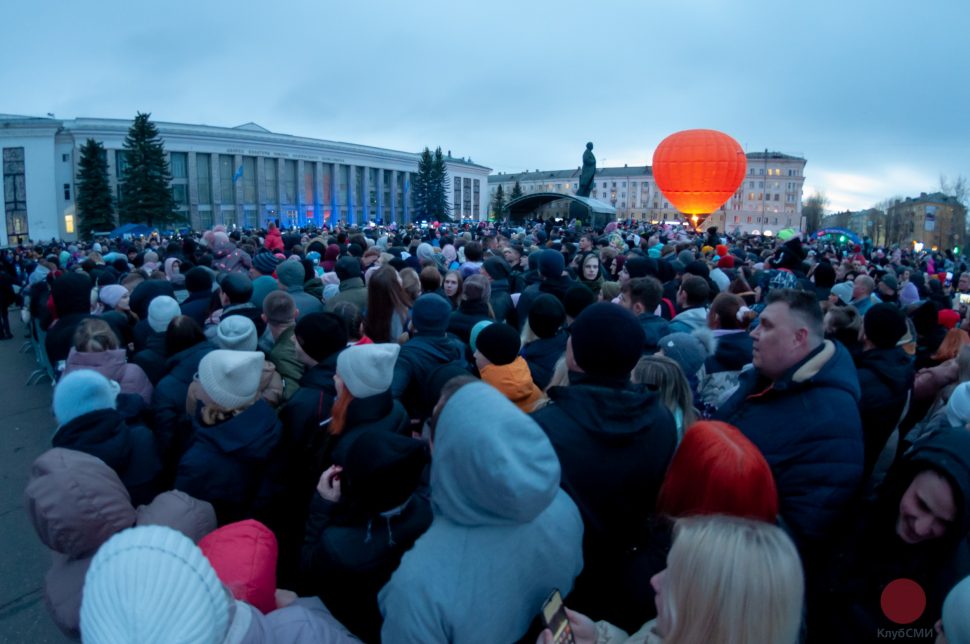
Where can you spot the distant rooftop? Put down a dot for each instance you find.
(773, 155)
(545, 175)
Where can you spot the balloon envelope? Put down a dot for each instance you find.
(698, 170)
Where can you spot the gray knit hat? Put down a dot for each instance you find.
(236, 333)
(231, 378)
(368, 369)
(161, 311)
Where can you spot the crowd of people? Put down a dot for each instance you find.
(416, 434)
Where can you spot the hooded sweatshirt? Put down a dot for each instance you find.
(502, 530)
(76, 503)
(514, 380)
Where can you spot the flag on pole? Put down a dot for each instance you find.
(238, 175)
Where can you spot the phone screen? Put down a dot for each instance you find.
(965, 299)
(554, 617)
(949, 276)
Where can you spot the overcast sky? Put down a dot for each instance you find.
(874, 94)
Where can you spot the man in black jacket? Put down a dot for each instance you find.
(614, 443)
(885, 377)
(429, 349)
(553, 281)
(498, 271)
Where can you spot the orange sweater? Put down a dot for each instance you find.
(514, 380)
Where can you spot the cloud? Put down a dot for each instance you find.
(852, 190)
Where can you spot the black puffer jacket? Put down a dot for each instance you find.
(467, 316)
(614, 444)
(542, 355)
(885, 378)
(558, 287)
(419, 357)
(172, 424)
(152, 357)
(501, 301)
(129, 450)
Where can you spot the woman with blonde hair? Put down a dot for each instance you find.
(97, 347)
(411, 283)
(664, 376)
(728, 580)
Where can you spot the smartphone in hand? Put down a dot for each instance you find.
(554, 618)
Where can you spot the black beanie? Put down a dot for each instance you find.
(546, 315)
(884, 325)
(321, 334)
(381, 470)
(607, 340)
(499, 343)
(551, 264)
(197, 280)
(640, 267)
(578, 297)
(497, 268)
(346, 268)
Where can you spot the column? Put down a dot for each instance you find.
(380, 196)
(260, 192)
(406, 215)
(237, 190)
(351, 184)
(334, 180)
(365, 195)
(393, 215)
(193, 172)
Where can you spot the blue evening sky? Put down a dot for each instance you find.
(875, 94)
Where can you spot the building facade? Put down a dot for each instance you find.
(243, 176)
(936, 221)
(769, 199)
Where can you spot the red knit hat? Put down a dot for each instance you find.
(726, 262)
(948, 318)
(721, 250)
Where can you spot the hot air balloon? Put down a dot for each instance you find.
(698, 170)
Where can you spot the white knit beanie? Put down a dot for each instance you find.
(237, 333)
(161, 311)
(81, 392)
(231, 378)
(152, 584)
(368, 369)
(956, 613)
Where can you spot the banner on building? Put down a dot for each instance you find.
(929, 222)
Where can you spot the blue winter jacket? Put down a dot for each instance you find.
(807, 425)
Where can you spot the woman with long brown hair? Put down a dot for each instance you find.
(387, 306)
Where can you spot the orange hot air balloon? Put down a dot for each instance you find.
(698, 170)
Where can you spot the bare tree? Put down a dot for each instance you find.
(813, 209)
(959, 190)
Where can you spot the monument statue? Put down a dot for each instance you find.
(586, 177)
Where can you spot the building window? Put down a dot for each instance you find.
(309, 189)
(272, 180)
(249, 180)
(121, 163)
(226, 193)
(69, 224)
(749, 220)
(205, 219)
(67, 192)
(15, 194)
(761, 171)
(456, 201)
(476, 206)
(179, 165)
(289, 182)
(203, 180)
(466, 197)
(65, 158)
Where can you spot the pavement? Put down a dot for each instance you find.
(25, 432)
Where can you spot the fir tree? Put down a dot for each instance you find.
(498, 204)
(421, 186)
(516, 191)
(438, 185)
(95, 211)
(146, 196)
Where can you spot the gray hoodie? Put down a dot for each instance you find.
(504, 534)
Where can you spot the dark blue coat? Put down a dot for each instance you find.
(230, 464)
(419, 357)
(171, 423)
(654, 327)
(541, 356)
(807, 426)
(127, 449)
